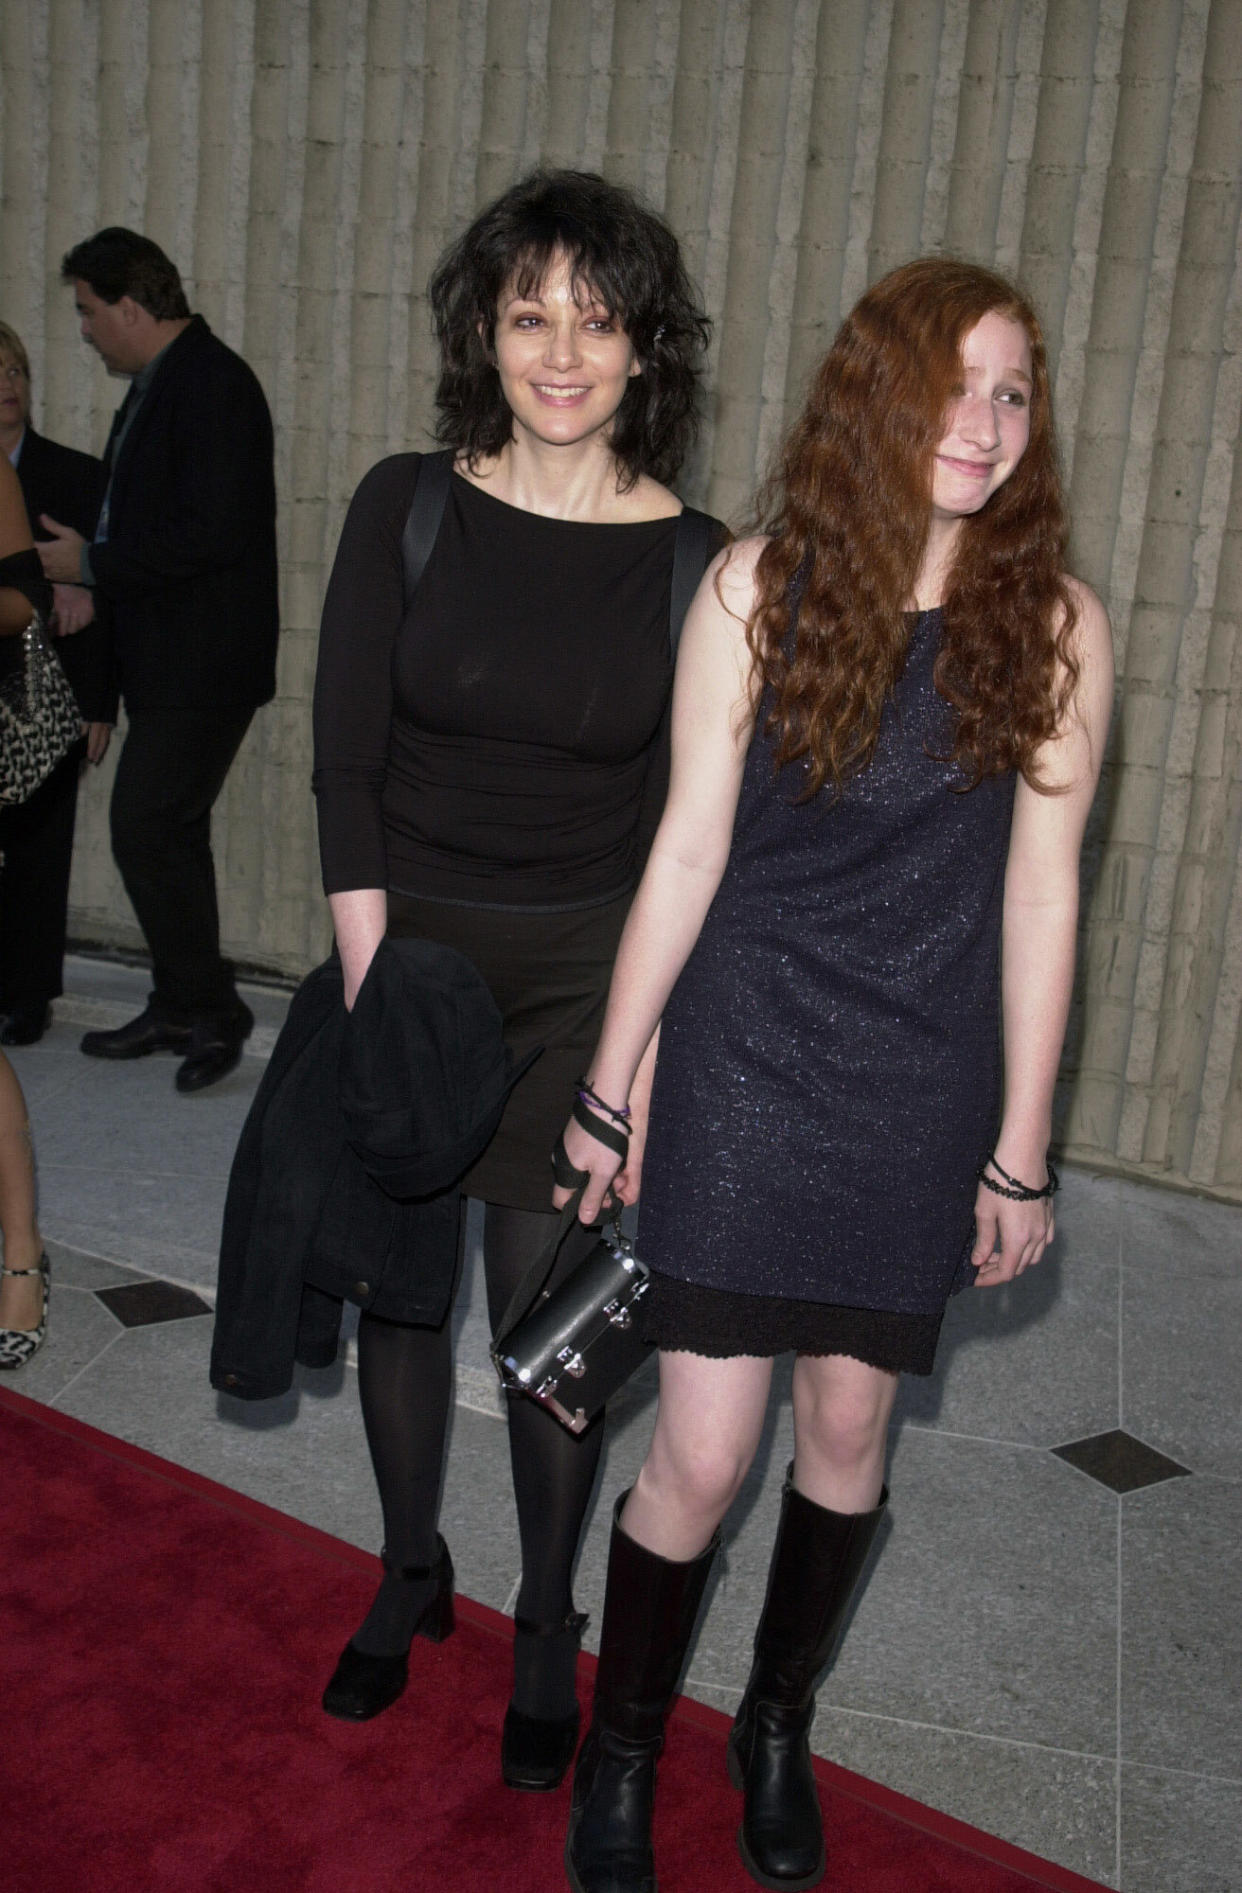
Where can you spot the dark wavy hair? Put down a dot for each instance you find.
(117, 262)
(849, 508)
(622, 254)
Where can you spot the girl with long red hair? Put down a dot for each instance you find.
(889, 717)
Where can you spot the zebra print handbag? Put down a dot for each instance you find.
(39, 716)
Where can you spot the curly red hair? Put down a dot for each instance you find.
(849, 507)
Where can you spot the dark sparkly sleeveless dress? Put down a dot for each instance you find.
(829, 1072)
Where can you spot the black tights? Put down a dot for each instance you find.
(405, 1384)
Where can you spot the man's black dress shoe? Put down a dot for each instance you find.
(141, 1036)
(25, 1025)
(214, 1050)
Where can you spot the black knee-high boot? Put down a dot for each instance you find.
(816, 1563)
(649, 1610)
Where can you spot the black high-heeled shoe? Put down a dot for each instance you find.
(363, 1685)
(535, 1751)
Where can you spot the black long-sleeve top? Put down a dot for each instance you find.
(504, 741)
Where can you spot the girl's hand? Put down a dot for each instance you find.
(602, 1165)
(629, 1178)
(1009, 1236)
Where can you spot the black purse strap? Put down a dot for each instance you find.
(422, 522)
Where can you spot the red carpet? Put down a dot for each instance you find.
(165, 1643)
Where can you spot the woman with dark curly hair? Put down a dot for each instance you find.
(491, 762)
(888, 724)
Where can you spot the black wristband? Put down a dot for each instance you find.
(612, 1135)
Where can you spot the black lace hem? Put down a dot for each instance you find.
(684, 1317)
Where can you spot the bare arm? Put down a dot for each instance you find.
(712, 723)
(14, 537)
(353, 712)
(14, 611)
(359, 917)
(1038, 941)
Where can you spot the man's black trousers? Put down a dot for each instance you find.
(172, 768)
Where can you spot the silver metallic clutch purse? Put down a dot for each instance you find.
(573, 1348)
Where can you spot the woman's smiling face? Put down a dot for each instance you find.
(564, 362)
(988, 422)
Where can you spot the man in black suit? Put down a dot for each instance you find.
(185, 557)
(36, 836)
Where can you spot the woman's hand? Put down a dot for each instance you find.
(1009, 1236)
(98, 736)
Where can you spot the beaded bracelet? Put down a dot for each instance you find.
(619, 1114)
(1018, 1192)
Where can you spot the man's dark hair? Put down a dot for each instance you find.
(620, 252)
(116, 262)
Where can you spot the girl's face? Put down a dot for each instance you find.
(564, 364)
(988, 422)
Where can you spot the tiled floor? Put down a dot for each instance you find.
(1049, 1642)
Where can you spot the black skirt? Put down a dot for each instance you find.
(548, 971)
(685, 1317)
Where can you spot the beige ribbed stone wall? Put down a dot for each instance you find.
(304, 161)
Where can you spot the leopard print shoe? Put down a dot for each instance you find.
(18, 1344)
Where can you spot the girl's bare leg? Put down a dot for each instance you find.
(707, 1430)
(841, 1413)
(830, 1513)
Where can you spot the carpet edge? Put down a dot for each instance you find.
(873, 1794)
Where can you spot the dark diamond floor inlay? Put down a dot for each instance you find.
(139, 1304)
(1120, 1461)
